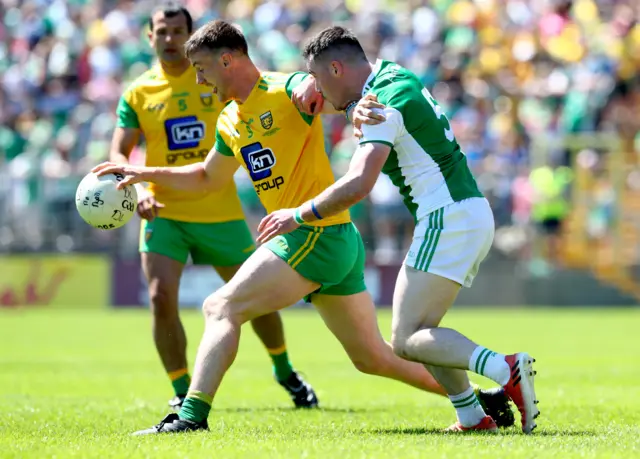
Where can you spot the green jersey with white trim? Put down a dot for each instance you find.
(426, 162)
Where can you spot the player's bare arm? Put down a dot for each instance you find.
(355, 185)
(214, 173)
(309, 100)
(123, 142)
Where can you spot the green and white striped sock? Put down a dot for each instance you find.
(487, 363)
(468, 408)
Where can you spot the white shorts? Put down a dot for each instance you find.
(452, 241)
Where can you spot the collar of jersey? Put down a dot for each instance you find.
(373, 74)
(252, 94)
(186, 73)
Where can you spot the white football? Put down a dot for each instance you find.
(103, 206)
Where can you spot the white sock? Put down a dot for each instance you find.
(468, 408)
(487, 363)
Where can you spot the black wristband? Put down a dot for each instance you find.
(349, 107)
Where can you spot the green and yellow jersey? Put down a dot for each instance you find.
(281, 148)
(177, 118)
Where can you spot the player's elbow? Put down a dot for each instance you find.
(118, 157)
(215, 185)
(203, 178)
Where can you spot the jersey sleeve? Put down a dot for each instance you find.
(294, 80)
(127, 116)
(221, 146)
(386, 132)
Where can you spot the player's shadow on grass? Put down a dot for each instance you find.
(510, 432)
(247, 409)
(557, 433)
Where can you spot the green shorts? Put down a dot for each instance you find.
(215, 244)
(332, 256)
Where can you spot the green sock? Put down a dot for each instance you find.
(196, 406)
(281, 365)
(180, 381)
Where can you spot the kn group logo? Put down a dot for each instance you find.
(259, 161)
(185, 132)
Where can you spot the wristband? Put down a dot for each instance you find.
(350, 107)
(298, 217)
(315, 211)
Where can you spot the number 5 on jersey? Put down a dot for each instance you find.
(448, 132)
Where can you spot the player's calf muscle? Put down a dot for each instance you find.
(164, 304)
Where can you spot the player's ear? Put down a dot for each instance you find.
(336, 69)
(225, 59)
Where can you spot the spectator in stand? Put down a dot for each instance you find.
(507, 72)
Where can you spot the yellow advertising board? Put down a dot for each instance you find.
(55, 280)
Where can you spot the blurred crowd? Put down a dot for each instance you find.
(511, 74)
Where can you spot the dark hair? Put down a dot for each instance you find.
(171, 9)
(335, 39)
(216, 35)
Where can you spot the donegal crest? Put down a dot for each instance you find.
(206, 98)
(266, 120)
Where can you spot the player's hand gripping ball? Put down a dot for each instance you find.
(103, 206)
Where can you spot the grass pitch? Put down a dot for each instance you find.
(77, 383)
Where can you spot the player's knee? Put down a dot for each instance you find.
(368, 365)
(216, 307)
(399, 345)
(372, 361)
(163, 303)
(220, 307)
